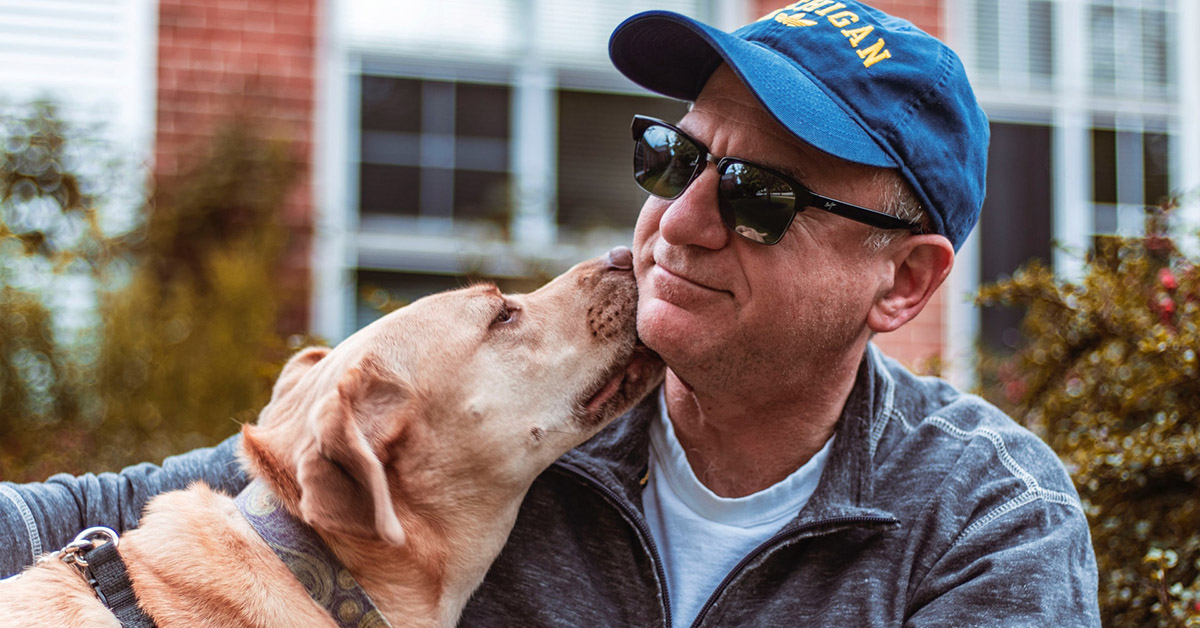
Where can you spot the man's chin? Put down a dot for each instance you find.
(677, 336)
(658, 322)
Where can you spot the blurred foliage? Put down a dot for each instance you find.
(1108, 376)
(186, 343)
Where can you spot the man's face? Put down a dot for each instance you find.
(721, 309)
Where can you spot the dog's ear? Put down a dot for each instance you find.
(343, 479)
(279, 408)
(295, 369)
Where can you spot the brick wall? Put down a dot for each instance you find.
(926, 14)
(255, 57)
(923, 337)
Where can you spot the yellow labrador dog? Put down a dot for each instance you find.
(407, 448)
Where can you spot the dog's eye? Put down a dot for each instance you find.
(507, 314)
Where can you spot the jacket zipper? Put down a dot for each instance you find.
(779, 537)
(639, 524)
(648, 540)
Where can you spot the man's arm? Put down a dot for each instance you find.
(43, 517)
(1033, 566)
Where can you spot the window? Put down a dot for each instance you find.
(1129, 46)
(382, 291)
(1118, 114)
(434, 150)
(1104, 166)
(1156, 167)
(1015, 225)
(595, 157)
(1130, 169)
(1013, 43)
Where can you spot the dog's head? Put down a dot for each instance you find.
(459, 398)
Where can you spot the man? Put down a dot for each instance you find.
(787, 473)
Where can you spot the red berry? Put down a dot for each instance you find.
(1167, 279)
(1014, 390)
(1167, 305)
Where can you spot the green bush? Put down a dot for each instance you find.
(185, 345)
(1108, 376)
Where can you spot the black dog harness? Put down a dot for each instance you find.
(101, 566)
(328, 583)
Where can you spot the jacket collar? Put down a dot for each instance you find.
(618, 456)
(847, 485)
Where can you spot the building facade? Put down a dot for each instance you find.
(489, 139)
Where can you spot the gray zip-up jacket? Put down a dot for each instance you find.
(934, 509)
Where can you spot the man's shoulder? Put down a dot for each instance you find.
(959, 437)
(915, 398)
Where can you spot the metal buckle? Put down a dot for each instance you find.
(85, 541)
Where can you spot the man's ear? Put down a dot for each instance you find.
(343, 476)
(921, 264)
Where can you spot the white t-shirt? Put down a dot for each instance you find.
(701, 536)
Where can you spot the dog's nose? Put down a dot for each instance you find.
(621, 258)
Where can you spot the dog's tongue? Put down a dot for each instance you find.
(640, 363)
(604, 394)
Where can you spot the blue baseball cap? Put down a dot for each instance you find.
(847, 79)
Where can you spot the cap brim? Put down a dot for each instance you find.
(674, 55)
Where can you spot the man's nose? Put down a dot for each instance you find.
(694, 217)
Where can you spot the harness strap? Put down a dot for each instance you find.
(107, 575)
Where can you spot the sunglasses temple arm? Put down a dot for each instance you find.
(862, 214)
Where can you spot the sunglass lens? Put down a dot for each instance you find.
(663, 161)
(755, 203)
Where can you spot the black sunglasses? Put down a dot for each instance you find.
(755, 202)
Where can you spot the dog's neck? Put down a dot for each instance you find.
(446, 553)
(429, 579)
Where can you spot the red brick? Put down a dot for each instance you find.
(925, 14)
(217, 57)
(182, 15)
(921, 338)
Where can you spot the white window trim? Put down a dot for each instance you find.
(1185, 171)
(336, 120)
